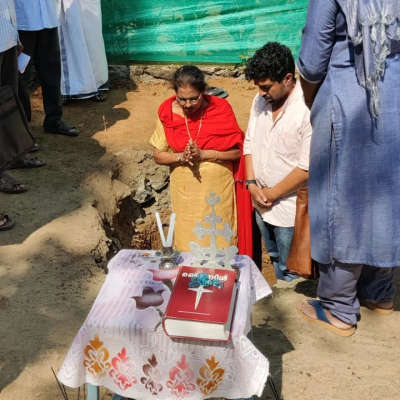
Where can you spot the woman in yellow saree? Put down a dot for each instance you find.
(198, 137)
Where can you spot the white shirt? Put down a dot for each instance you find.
(8, 25)
(277, 147)
(35, 15)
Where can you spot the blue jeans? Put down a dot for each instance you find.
(277, 241)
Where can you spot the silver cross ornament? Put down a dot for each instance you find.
(212, 256)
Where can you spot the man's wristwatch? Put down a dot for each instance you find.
(249, 182)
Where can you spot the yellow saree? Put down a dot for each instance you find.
(188, 191)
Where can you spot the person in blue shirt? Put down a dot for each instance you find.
(38, 32)
(350, 67)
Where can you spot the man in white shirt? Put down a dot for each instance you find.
(37, 26)
(276, 149)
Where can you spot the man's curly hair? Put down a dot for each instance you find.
(272, 61)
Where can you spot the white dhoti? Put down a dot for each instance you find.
(83, 57)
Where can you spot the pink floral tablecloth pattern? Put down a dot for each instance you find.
(122, 346)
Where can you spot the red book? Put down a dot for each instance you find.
(201, 304)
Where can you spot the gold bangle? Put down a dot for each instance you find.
(216, 155)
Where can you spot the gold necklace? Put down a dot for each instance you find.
(198, 130)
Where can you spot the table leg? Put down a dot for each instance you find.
(273, 388)
(92, 392)
(248, 398)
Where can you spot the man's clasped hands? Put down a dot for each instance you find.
(264, 197)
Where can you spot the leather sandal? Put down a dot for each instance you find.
(321, 319)
(6, 222)
(380, 308)
(10, 185)
(34, 148)
(27, 162)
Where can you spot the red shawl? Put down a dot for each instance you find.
(219, 131)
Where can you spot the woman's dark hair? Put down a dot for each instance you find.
(189, 75)
(273, 61)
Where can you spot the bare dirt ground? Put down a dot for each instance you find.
(49, 278)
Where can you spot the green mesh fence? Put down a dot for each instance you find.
(213, 31)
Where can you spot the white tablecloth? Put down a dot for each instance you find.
(125, 349)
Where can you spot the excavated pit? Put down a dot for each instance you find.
(138, 189)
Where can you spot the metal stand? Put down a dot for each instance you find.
(92, 392)
(249, 398)
(272, 386)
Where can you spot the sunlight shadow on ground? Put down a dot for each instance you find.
(55, 189)
(268, 336)
(46, 308)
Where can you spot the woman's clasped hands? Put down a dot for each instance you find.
(191, 154)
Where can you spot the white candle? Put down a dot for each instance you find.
(171, 229)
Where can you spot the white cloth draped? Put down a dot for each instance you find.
(83, 57)
(117, 341)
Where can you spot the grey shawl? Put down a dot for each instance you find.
(372, 25)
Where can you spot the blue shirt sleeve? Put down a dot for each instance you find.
(318, 40)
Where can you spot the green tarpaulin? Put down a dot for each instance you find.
(213, 31)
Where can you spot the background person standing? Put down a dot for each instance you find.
(350, 59)
(15, 137)
(37, 26)
(83, 63)
(8, 71)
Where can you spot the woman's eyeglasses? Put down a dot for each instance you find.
(191, 100)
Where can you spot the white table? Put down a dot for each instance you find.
(124, 348)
